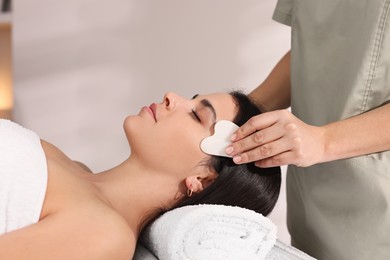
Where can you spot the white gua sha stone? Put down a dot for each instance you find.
(220, 140)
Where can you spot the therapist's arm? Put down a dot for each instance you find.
(274, 92)
(359, 135)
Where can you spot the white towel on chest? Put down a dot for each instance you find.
(210, 232)
(23, 176)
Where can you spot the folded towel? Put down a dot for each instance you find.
(23, 176)
(281, 251)
(210, 232)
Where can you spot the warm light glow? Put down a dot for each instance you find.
(6, 100)
(6, 95)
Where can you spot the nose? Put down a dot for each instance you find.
(171, 100)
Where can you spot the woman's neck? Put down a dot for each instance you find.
(136, 192)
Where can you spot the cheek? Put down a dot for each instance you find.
(165, 146)
(180, 145)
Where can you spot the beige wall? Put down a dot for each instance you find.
(81, 66)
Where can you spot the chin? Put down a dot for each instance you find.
(129, 127)
(135, 132)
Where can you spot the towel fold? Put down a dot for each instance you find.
(23, 176)
(210, 232)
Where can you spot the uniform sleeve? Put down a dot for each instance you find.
(283, 12)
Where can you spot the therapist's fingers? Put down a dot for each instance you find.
(277, 160)
(256, 139)
(254, 124)
(261, 152)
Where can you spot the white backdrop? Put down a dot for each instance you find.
(81, 66)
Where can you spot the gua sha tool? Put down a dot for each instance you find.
(220, 140)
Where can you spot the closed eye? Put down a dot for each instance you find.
(196, 116)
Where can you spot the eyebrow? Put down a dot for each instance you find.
(207, 103)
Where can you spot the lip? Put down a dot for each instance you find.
(153, 110)
(149, 111)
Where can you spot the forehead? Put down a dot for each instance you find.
(223, 103)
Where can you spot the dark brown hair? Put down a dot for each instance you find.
(244, 185)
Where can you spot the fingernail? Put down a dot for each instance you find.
(237, 159)
(229, 150)
(233, 137)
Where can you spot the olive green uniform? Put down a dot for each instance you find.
(340, 67)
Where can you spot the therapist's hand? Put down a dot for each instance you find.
(277, 138)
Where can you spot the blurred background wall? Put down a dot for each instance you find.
(81, 66)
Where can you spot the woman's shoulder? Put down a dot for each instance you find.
(72, 201)
(54, 153)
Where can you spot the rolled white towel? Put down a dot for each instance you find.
(210, 232)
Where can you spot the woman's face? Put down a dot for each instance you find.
(167, 136)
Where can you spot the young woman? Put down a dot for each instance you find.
(100, 216)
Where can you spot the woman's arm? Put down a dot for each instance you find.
(54, 238)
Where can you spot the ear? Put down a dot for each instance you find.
(197, 183)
